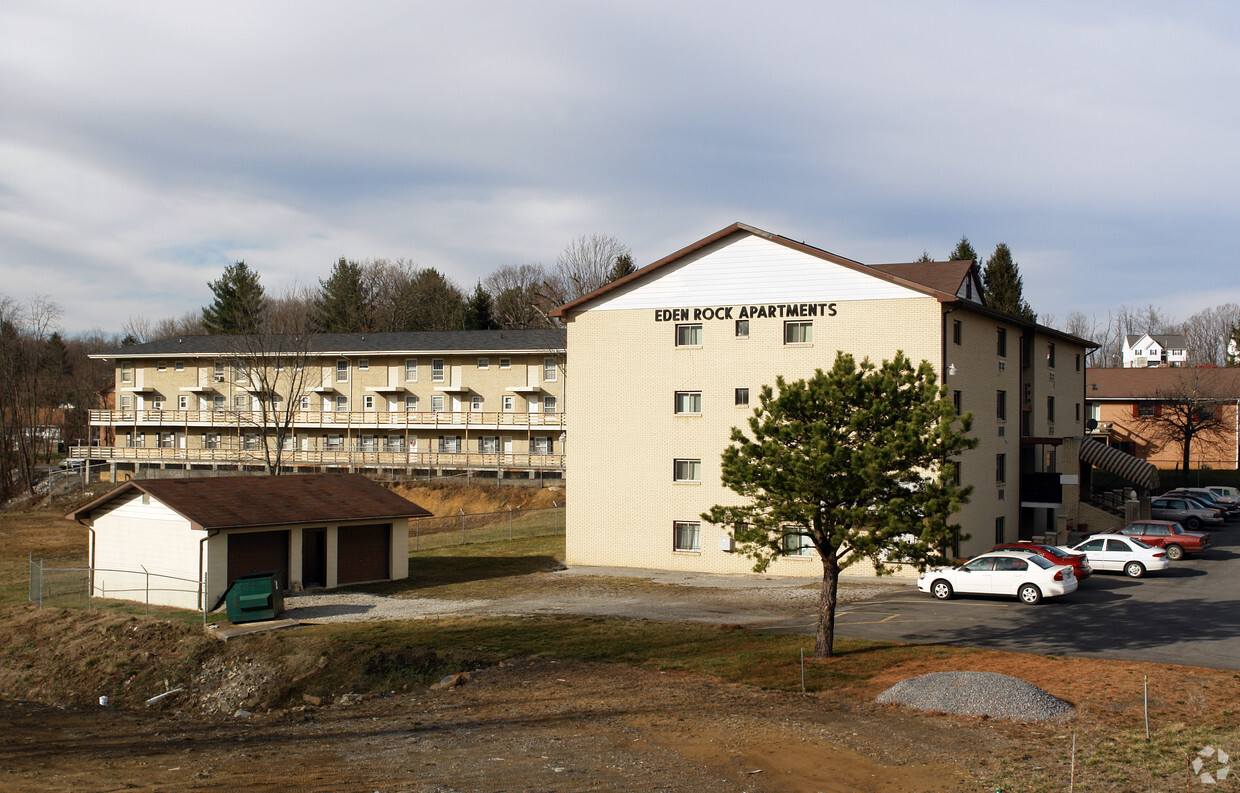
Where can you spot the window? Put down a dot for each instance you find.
(289, 443)
(475, 402)
(505, 363)
(161, 366)
(437, 370)
(549, 404)
(241, 402)
(1000, 467)
(342, 403)
(1002, 342)
(1204, 413)
(127, 402)
(437, 403)
(742, 329)
(450, 444)
(157, 403)
(797, 545)
(956, 464)
(334, 443)
(549, 370)
(484, 363)
(1050, 354)
(1050, 408)
(411, 370)
(510, 403)
(210, 440)
(166, 440)
(1001, 405)
(249, 441)
(241, 373)
(217, 373)
(1078, 362)
(687, 471)
(126, 371)
(688, 401)
(742, 397)
(179, 366)
(689, 335)
(958, 402)
(687, 535)
(542, 445)
(957, 331)
(368, 402)
(1078, 411)
(798, 332)
(488, 444)
(999, 530)
(411, 403)
(393, 443)
(368, 443)
(305, 402)
(183, 402)
(217, 402)
(363, 364)
(1145, 410)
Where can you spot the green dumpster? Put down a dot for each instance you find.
(255, 596)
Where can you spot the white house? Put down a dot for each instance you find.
(1154, 349)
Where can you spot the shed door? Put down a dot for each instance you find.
(263, 550)
(363, 553)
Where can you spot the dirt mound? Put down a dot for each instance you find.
(450, 499)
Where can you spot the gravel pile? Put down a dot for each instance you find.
(978, 694)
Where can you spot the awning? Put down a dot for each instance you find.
(1122, 464)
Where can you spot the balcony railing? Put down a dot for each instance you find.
(325, 458)
(312, 418)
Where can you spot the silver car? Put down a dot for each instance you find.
(1186, 512)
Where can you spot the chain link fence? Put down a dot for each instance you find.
(67, 581)
(465, 528)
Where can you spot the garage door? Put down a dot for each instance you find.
(264, 550)
(363, 553)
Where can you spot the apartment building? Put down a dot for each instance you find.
(489, 403)
(686, 343)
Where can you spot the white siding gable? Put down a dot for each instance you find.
(750, 270)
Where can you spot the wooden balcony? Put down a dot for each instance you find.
(324, 458)
(369, 419)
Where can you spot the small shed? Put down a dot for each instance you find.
(182, 542)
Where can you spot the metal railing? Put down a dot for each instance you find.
(329, 457)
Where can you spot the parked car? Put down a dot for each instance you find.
(1120, 553)
(1225, 490)
(1185, 511)
(1169, 536)
(1079, 562)
(1204, 496)
(1022, 575)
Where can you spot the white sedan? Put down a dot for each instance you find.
(1117, 552)
(1028, 577)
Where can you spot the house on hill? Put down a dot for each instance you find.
(184, 541)
(1154, 349)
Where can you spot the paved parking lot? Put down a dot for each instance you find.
(1189, 614)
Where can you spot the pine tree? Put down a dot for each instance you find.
(852, 462)
(478, 311)
(239, 302)
(344, 303)
(963, 252)
(623, 266)
(1003, 284)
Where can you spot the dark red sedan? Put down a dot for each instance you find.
(1077, 561)
(1168, 535)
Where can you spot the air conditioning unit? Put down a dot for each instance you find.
(726, 544)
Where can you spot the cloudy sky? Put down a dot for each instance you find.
(144, 146)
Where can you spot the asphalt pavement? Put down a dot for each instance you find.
(1185, 615)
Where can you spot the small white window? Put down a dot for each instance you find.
(179, 366)
(368, 402)
(505, 363)
(549, 370)
(210, 440)
(687, 471)
(161, 366)
(798, 545)
(484, 363)
(217, 372)
(126, 371)
(689, 335)
(475, 402)
(363, 364)
(342, 371)
(543, 445)
(166, 440)
(393, 443)
(437, 403)
(368, 443)
(157, 403)
(687, 535)
(549, 404)
(217, 402)
(437, 370)
(797, 332)
(335, 443)
(411, 403)
(510, 403)
(249, 441)
(127, 401)
(411, 370)
(305, 402)
(342, 403)
(449, 444)
(688, 401)
(241, 402)
(183, 402)
(488, 444)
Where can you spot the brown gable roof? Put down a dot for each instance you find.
(232, 502)
(1114, 383)
(939, 276)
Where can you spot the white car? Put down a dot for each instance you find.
(1028, 577)
(1117, 552)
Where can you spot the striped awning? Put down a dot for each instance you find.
(1122, 464)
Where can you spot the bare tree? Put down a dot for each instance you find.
(520, 296)
(1206, 334)
(24, 333)
(584, 265)
(1187, 411)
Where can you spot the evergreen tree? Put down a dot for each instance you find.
(239, 302)
(856, 463)
(478, 311)
(1003, 285)
(623, 266)
(344, 303)
(963, 252)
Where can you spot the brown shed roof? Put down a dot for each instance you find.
(234, 502)
(1114, 383)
